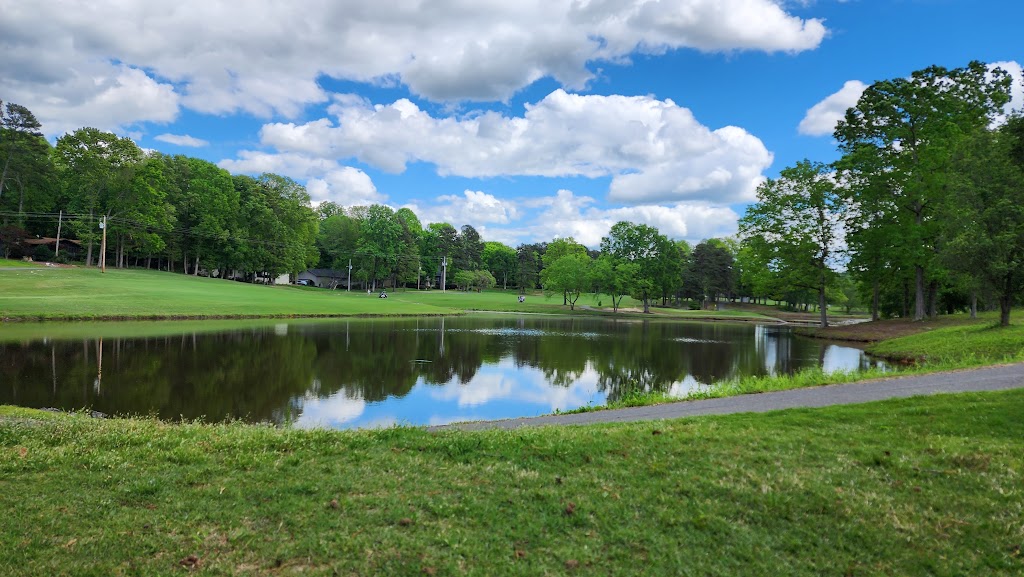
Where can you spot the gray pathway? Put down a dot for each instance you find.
(985, 379)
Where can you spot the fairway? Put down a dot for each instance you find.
(86, 293)
(81, 293)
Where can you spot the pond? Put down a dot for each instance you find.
(370, 373)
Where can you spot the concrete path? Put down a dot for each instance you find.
(986, 379)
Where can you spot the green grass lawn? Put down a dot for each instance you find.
(923, 486)
(11, 263)
(966, 342)
(81, 293)
(85, 293)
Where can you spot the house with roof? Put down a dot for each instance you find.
(325, 277)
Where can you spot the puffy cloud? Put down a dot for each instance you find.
(182, 140)
(821, 119)
(325, 179)
(566, 214)
(653, 150)
(266, 57)
(108, 97)
(1016, 103)
(472, 206)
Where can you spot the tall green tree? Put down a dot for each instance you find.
(984, 221)
(613, 277)
(570, 275)
(556, 249)
(25, 162)
(380, 243)
(528, 258)
(710, 271)
(96, 168)
(639, 244)
(500, 260)
(901, 134)
(797, 223)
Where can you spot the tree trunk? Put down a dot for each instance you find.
(1005, 305)
(875, 294)
(919, 293)
(974, 303)
(933, 299)
(822, 304)
(88, 252)
(196, 271)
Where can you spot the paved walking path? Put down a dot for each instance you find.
(986, 379)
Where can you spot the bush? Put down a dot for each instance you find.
(42, 253)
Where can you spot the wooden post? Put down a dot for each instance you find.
(60, 221)
(103, 246)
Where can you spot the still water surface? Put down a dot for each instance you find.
(372, 373)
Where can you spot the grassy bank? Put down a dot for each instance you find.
(81, 293)
(905, 487)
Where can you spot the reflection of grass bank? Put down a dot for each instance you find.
(797, 492)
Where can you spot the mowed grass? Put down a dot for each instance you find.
(81, 293)
(965, 342)
(923, 486)
(11, 263)
(85, 293)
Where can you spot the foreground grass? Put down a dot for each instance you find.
(924, 486)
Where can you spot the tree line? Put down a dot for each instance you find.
(923, 211)
(187, 215)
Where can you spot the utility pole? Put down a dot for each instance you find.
(349, 275)
(444, 272)
(103, 245)
(60, 221)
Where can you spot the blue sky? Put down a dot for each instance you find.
(527, 120)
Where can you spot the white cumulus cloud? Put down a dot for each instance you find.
(473, 206)
(565, 214)
(653, 150)
(325, 179)
(821, 119)
(182, 140)
(266, 57)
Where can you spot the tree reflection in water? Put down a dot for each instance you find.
(269, 373)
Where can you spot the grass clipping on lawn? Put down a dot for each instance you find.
(930, 485)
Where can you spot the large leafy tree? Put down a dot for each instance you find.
(984, 221)
(639, 244)
(556, 249)
(380, 243)
(710, 271)
(900, 137)
(208, 202)
(795, 228)
(500, 260)
(25, 163)
(96, 168)
(471, 249)
(570, 275)
(528, 257)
